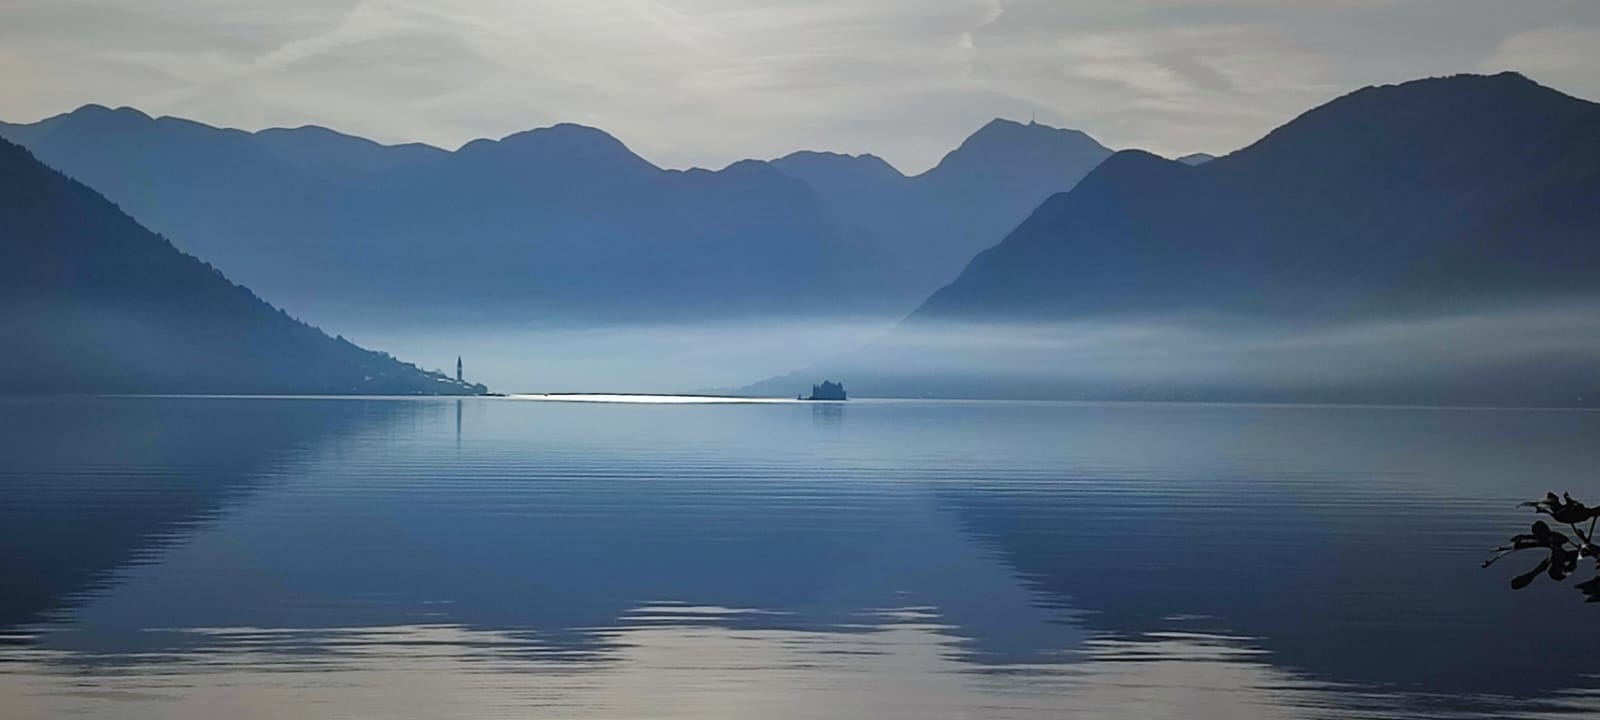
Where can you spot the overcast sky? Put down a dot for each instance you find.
(705, 82)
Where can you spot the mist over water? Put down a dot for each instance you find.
(656, 358)
(1532, 355)
(1245, 358)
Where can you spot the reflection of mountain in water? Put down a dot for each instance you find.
(94, 485)
(548, 532)
(1349, 579)
(1342, 541)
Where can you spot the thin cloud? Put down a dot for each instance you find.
(707, 82)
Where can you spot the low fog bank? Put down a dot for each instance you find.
(635, 358)
(1544, 356)
(1548, 356)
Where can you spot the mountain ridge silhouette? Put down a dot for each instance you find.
(95, 303)
(556, 225)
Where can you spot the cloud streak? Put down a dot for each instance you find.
(706, 82)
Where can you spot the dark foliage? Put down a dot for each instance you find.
(1563, 552)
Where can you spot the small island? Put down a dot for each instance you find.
(828, 390)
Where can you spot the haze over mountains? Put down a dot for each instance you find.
(1435, 241)
(932, 224)
(1430, 242)
(557, 226)
(92, 302)
(1436, 195)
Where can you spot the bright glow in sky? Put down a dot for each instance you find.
(705, 82)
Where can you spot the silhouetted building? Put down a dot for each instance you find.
(458, 369)
(828, 390)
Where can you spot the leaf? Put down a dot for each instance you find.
(1521, 581)
(1590, 588)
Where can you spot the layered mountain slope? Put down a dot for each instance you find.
(90, 301)
(561, 225)
(1434, 195)
(557, 224)
(935, 222)
(1436, 241)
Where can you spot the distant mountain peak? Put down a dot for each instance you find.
(100, 114)
(316, 131)
(1003, 128)
(563, 141)
(93, 109)
(752, 170)
(322, 133)
(863, 158)
(567, 133)
(1504, 77)
(749, 166)
(1478, 86)
(1003, 146)
(1129, 168)
(329, 153)
(1457, 109)
(865, 166)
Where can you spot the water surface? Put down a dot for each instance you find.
(291, 558)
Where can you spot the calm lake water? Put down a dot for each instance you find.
(487, 558)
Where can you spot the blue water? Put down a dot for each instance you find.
(483, 558)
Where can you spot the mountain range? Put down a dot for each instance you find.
(561, 225)
(930, 225)
(1441, 236)
(91, 302)
(1430, 195)
(1433, 242)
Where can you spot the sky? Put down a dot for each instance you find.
(707, 82)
